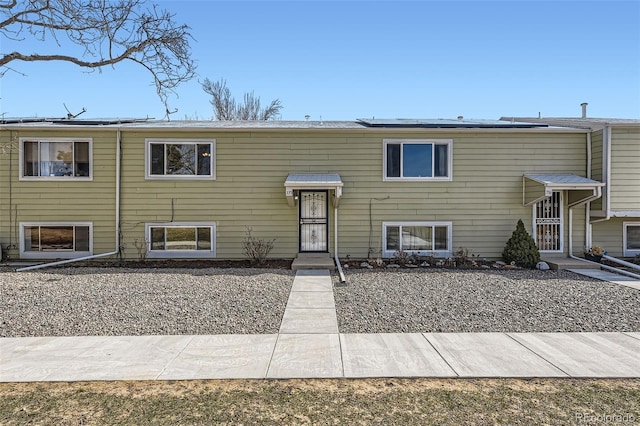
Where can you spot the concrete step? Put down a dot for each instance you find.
(313, 261)
(556, 263)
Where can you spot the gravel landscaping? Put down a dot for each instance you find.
(483, 301)
(117, 301)
(100, 301)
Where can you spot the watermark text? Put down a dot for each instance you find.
(594, 418)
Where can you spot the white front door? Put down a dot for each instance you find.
(548, 226)
(314, 223)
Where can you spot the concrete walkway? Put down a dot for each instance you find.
(309, 346)
(608, 276)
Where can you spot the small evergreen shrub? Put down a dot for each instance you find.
(521, 248)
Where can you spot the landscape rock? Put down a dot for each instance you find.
(450, 301)
(543, 266)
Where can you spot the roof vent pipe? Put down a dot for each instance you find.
(584, 109)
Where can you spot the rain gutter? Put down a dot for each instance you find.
(607, 207)
(587, 209)
(597, 193)
(607, 140)
(612, 259)
(335, 254)
(611, 268)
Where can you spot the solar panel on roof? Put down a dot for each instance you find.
(445, 123)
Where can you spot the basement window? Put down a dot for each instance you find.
(631, 239)
(420, 238)
(61, 240)
(181, 240)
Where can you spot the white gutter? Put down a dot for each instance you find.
(607, 141)
(612, 259)
(335, 238)
(117, 221)
(610, 268)
(597, 193)
(587, 209)
(622, 262)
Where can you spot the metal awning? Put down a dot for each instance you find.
(310, 181)
(537, 187)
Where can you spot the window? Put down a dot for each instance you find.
(422, 238)
(60, 240)
(180, 159)
(420, 160)
(631, 238)
(55, 159)
(185, 240)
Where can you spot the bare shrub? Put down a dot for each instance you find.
(256, 249)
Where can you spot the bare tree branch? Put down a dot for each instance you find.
(7, 69)
(109, 31)
(225, 106)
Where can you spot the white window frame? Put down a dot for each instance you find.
(147, 156)
(627, 252)
(62, 254)
(401, 142)
(58, 178)
(181, 254)
(435, 253)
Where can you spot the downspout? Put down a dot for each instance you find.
(117, 221)
(597, 194)
(607, 141)
(613, 259)
(335, 242)
(611, 268)
(587, 212)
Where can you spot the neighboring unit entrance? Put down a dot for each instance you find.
(314, 226)
(547, 216)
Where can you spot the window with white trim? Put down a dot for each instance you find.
(180, 159)
(55, 158)
(421, 238)
(418, 159)
(631, 238)
(183, 240)
(59, 240)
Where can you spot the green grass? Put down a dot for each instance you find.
(344, 402)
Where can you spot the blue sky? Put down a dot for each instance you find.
(342, 60)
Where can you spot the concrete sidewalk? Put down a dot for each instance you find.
(608, 276)
(309, 346)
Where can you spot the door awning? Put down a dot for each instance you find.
(310, 181)
(537, 187)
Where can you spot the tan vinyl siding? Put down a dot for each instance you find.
(61, 201)
(625, 170)
(484, 200)
(7, 151)
(608, 235)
